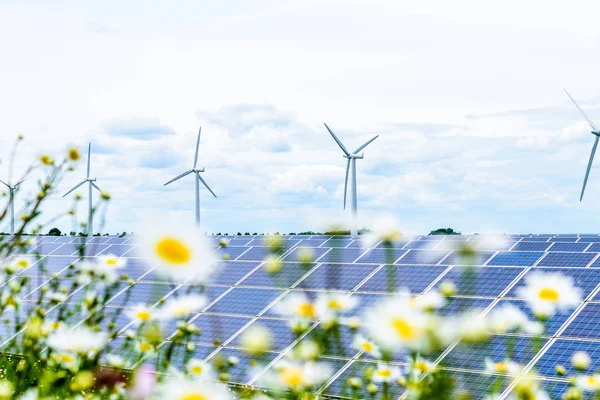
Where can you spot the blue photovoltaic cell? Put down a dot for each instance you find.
(358, 243)
(560, 353)
(115, 240)
(252, 253)
(481, 281)
(232, 252)
(232, 271)
(51, 265)
(93, 249)
(339, 388)
(474, 355)
(459, 305)
(478, 385)
(422, 257)
(586, 324)
(415, 278)
(45, 248)
(382, 256)
(566, 259)
(118, 250)
(147, 293)
(242, 241)
(336, 276)
(135, 268)
(418, 244)
(564, 239)
(590, 239)
(585, 278)
(311, 242)
(531, 246)
(510, 258)
(342, 255)
(217, 329)
(244, 301)
(289, 274)
(178, 359)
(335, 242)
(243, 375)
(535, 239)
(317, 252)
(594, 247)
(551, 325)
(578, 247)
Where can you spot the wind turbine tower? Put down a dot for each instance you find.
(11, 203)
(91, 183)
(198, 179)
(351, 165)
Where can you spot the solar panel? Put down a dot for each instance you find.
(243, 294)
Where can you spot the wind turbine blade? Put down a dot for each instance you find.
(178, 177)
(365, 145)
(197, 146)
(76, 186)
(88, 166)
(338, 141)
(205, 184)
(582, 112)
(346, 183)
(6, 184)
(20, 183)
(96, 186)
(589, 167)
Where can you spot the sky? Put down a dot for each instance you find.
(475, 130)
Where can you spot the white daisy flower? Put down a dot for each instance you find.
(256, 339)
(385, 373)
(507, 318)
(308, 350)
(385, 228)
(141, 313)
(329, 306)
(421, 366)
(429, 301)
(68, 361)
(505, 367)
(296, 376)
(179, 254)
(115, 361)
(80, 340)
(394, 324)
(547, 293)
(588, 383)
(182, 306)
(581, 360)
(177, 387)
(144, 347)
(296, 305)
(200, 370)
(362, 344)
(21, 262)
(111, 261)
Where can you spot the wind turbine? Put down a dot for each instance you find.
(352, 157)
(595, 132)
(198, 180)
(11, 203)
(91, 184)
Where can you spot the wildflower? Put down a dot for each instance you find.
(143, 347)
(507, 318)
(394, 324)
(422, 366)
(21, 262)
(199, 369)
(385, 373)
(353, 323)
(256, 340)
(144, 383)
(275, 243)
(233, 360)
(46, 160)
(588, 383)
(305, 255)
(105, 195)
(362, 344)
(177, 387)
(77, 197)
(6, 390)
(385, 229)
(546, 293)
(272, 264)
(470, 326)
(581, 360)
(372, 388)
(329, 306)
(308, 350)
(79, 340)
(527, 387)
(113, 360)
(429, 301)
(73, 154)
(297, 376)
(182, 306)
(179, 255)
(560, 370)
(111, 261)
(296, 305)
(447, 288)
(505, 367)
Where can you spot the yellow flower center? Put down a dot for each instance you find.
(55, 325)
(194, 396)
(111, 261)
(143, 315)
(306, 310)
(384, 373)
(368, 347)
(335, 304)
(145, 347)
(548, 294)
(180, 312)
(73, 154)
(501, 367)
(591, 380)
(404, 329)
(173, 251)
(65, 358)
(23, 263)
(196, 370)
(421, 366)
(292, 376)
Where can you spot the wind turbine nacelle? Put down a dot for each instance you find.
(199, 169)
(356, 156)
(597, 133)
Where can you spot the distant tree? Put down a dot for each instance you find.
(54, 232)
(444, 231)
(226, 234)
(219, 234)
(239, 234)
(247, 234)
(123, 234)
(338, 232)
(276, 233)
(255, 233)
(292, 233)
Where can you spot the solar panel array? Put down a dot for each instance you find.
(243, 294)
